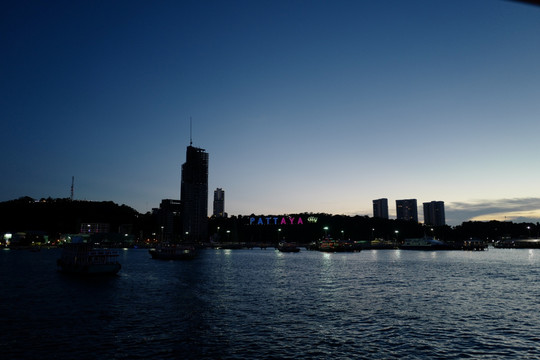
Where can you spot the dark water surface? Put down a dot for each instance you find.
(253, 304)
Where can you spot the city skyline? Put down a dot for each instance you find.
(304, 106)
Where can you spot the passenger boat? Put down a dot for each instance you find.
(173, 252)
(474, 245)
(288, 247)
(517, 243)
(84, 259)
(425, 243)
(331, 245)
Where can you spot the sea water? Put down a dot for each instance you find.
(264, 304)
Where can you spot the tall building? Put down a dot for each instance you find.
(380, 208)
(219, 203)
(407, 210)
(194, 195)
(169, 219)
(434, 213)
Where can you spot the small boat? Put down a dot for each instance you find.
(229, 246)
(287, 247)
(173, 252)
(84, 259)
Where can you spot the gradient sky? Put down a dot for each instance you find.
(317, 106)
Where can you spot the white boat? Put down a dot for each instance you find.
(84, 259)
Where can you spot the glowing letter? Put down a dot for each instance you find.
(260, 222)
(283, 221)
(300, 221)
(251, 220)
(275, 221)
(291, 219)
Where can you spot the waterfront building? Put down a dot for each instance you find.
(219, 203)
(434, 213)
(407, 210)
(380, 208)
(194, 195)
(94, 228)
(168, 216)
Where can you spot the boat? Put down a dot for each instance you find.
(517, 244)
(330, 245)
(474, 245)
(425, 243)
(83, 259)
(173, 252)
(379, 244)
(287, 247)
(229, 246)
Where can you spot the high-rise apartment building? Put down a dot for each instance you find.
(194, 195)
(380, 208)
(434, 213)
(219, 203)
(407, 210)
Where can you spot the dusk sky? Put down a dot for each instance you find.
(303, 106)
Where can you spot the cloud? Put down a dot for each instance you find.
(517, 210)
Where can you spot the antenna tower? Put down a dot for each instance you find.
(72, 184)
(190, 137)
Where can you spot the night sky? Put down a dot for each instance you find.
(303, 106)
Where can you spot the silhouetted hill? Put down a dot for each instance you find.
(56, 216)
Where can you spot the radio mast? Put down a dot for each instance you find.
(190, 131)
(72, 185)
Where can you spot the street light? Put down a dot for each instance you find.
(325, 231)
(278, 233)
(397, 234)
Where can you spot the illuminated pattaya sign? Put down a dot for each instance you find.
(276, 220)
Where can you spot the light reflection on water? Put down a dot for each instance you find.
(244, 304)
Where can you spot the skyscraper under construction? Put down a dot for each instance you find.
(194, 195)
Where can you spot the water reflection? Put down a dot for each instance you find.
(232, 304)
